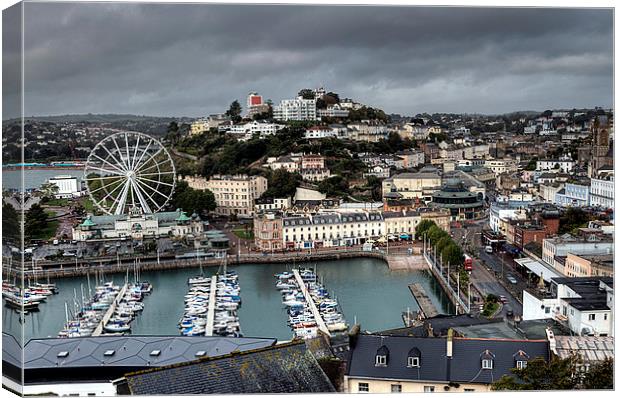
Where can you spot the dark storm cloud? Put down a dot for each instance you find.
(195, 59)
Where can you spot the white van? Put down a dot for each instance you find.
(488, 249)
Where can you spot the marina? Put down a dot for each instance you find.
(363, 286)
(211, 306)
(109, 311)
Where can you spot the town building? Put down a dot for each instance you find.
(234, 195)
(584, 305)
(319, 132)
(602, 189)
(331, 229)
(578, 265)
(602, 150)
(68, 186)
(255, 105)
(262, 205)
(268, 232)
(203, 125)
(333, 111)
(295, 109)
(547, 191)
(407, 364)
(573, 194)
(499, 166)
(412, 185)
(368, 131)
(562, 245)
(249, 129)
(137, 225)
(411, 158)
(462, 203)
(565, 165)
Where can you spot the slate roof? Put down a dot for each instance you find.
(590, 348)
(464, 367)
(284, 368)
(129, 351)
(440, 325)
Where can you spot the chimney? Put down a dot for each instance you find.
(353, 334)
(449, 343)
(551, 338)
(429, 330)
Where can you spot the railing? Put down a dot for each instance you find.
(437, 269)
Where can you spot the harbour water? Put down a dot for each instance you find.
(367, 290)
(34, 178)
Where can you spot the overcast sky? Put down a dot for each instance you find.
(192, 60)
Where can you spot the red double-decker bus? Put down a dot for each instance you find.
(468, 264)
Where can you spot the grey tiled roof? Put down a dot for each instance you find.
(285, 368)
(463, 367)
(129, 351)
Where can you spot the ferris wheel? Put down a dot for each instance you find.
(127, 171)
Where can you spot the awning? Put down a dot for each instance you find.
(404, 236)
(538, 268)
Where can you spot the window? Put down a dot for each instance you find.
(381, 360)
(605, 316)
(592, 317)
(429, 388)
(521, 364)
(397, 388)
(413, 362)
(363, 387)
(487, 364)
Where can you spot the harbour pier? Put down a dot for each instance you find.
(315, 312)
(106, 317)
(426, 305)
(211, 307)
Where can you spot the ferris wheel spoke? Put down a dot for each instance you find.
(135, 153)
(100, 178)
(156, 174)
(129, 162)
(151, 157)
(99, 202)
(152, 166)
(105, 162)
(120, 153)
(102, 187)
(120, 201)
(145, 206)
(155, 181)
(143, 153)
(152, 189)
(118, 173)
(120, 163)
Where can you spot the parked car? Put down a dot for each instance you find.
(488, 249)
(503, 299)
(509, 312)
(511, 279)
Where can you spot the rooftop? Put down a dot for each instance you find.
(283, 368)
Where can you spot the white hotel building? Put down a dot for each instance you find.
(602, 190)
(295, 109)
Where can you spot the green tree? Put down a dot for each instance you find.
(452, 254)
(572, 218)
(423, 227)
(234, 111)
(599, 376)
(435, 233)
(282, 184)
(334, 186)
(172, 133)
(48, 191)
(10, 222)
(557, 374)
(442, 243)
(192, 200)
(306, 93)
(35, 222)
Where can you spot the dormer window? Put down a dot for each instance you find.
(487, 358)
(413, 362)
(413, 358)
(381, 358)
(521, 359)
